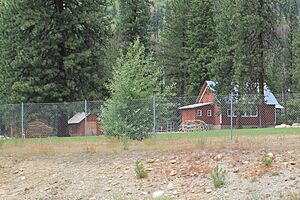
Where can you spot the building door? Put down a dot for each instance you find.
(92, 128)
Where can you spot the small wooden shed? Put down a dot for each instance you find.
(76, 125)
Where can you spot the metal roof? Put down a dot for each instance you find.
(77, 118)
(197, 105)
(269, 96)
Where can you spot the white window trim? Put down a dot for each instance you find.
(209, 113)
(199, 113)
(245, 114)
(230, 114)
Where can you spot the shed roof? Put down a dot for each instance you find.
(77, 118)
(197, 105)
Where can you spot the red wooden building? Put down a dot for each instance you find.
(206, 110)
(76, 125)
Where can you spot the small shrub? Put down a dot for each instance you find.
(218, 176)
(266, 161)
(139, 170)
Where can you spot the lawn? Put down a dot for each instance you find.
(165, 136)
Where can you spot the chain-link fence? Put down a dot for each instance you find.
(140, 117)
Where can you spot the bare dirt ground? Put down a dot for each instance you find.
(181, 171)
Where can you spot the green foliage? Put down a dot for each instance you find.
(173, 45)
(134, 22)
(139, 170)
(201, 35)
(125, 142)
(266, 161)
(52, 53)
(218, 176)
(129, 110)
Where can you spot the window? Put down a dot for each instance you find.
(251, 112)
(209, 113)
(199, 113)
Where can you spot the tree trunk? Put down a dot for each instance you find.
(63, 125)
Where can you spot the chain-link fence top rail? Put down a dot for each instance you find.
(143, 116)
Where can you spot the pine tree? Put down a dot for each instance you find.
(223, 64)
(53, 51)
(201, 43)
(134, 21)
(173, 53)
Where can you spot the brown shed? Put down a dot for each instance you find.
(77, 125)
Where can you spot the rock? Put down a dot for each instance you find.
(245, 162)
(236, 170)
(149, 161)
(292, 163)
(208, 190)
(107, 189)
(170, 186)
(292, 178)
(149, 169)
(173, 161)
(271, 156)
(23, 178)
(173, 172)
(175, 192)
(114, 184)
(157, 194)
(157, 160)
(144, 193)
(16, 172)
(218, 157)
(295, 125)
(285, 164)
(281, 126)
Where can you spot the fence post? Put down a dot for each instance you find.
(85, 117)
(154, 117)
(22, 115)
(231, 115)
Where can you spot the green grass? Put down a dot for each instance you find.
(163, 136)
(222, 133)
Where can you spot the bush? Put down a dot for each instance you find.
(218, 176)
(139, 170)
(266, 161)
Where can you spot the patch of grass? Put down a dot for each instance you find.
(218, 176)
(140, 172)
(45, 149)
(125, 142)
(266, 161)
(201, 141)
(90, 149)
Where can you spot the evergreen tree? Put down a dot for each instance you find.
(201, 43)
(223, 64)
(134, 22)
(53, 51)
(173, 53)
(256, 38)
